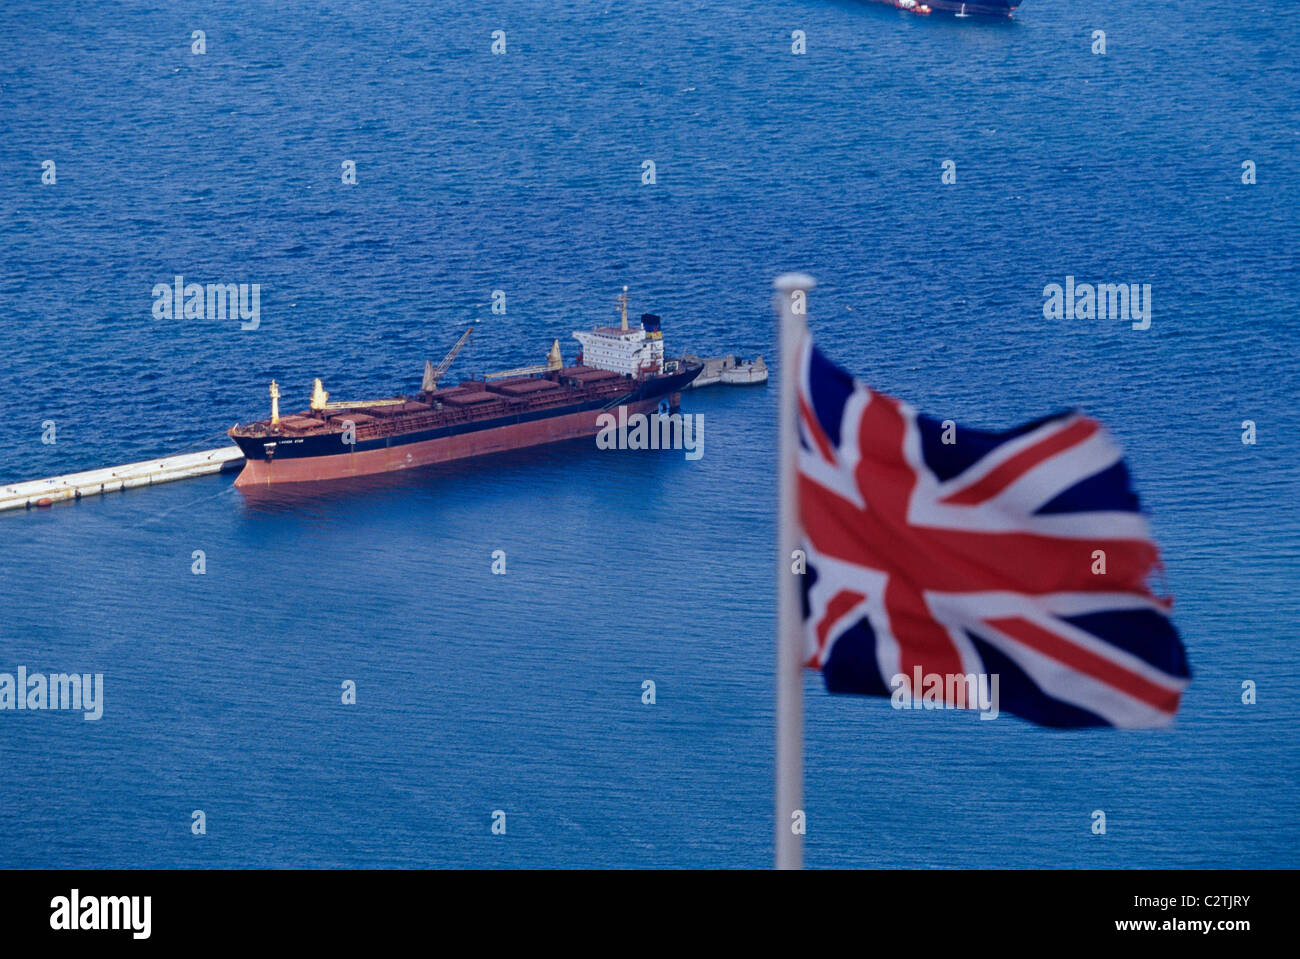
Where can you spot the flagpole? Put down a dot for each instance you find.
(789, 645)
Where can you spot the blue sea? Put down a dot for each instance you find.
(522, 172)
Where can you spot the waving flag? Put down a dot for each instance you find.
(936, 550)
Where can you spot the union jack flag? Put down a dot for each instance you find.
(1021, 554)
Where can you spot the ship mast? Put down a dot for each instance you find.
(622, 305)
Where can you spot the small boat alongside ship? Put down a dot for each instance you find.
(618, 366)
(728, 370)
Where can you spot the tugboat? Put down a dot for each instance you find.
(746, 373)
(729, 370)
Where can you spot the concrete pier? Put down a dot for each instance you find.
(73, 486)
(727, 369)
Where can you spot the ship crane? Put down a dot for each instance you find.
(554, 361)
(320, 399)
(433, 374)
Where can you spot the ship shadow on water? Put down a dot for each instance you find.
(542, 466)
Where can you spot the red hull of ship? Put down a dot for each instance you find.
(314, 469)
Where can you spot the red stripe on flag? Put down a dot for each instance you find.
(1000, 477)
(839, 606)
(1088, 663)
(922, 640)
(815, 428)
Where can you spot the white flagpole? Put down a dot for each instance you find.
(791, 302)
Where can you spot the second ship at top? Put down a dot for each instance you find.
(958, 8)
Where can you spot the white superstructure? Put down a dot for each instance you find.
(632, 352)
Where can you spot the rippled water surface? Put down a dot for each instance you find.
(522, 173)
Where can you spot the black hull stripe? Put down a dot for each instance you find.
(290, 447)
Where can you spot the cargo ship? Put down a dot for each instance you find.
(618, 366)
(958, 8)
